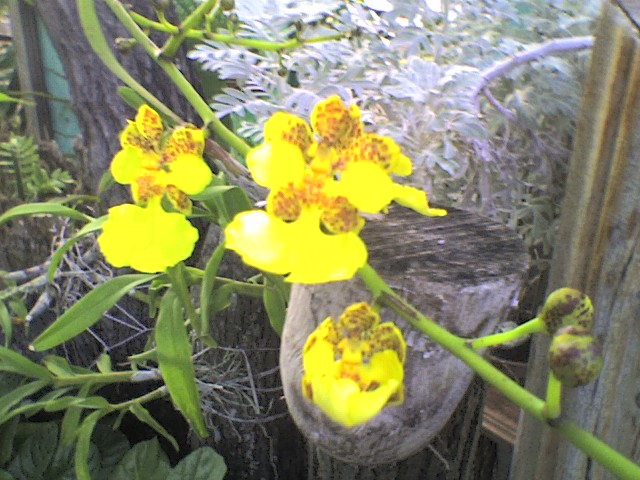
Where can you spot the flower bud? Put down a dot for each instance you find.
(161, 5)
(567, 306)
(574, 356)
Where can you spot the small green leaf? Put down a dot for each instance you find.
(5, 323)
(88, 310)
(145, 461)
(42, 209)
(104, 363)
(174, 358)
(11, 361)
(202, 464)
(94, 403)
(58, 366)
(56, 258)
(71, 420)
(208, 285)
(144, 416)
(275, 305)
(112, 446)
(220, 299)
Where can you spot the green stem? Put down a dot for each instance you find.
(93, 31)
(231, 39)
(158, 393)
(100, 378)
(606, 456)
(552, 406)
(199, 104)
(532, 326)
(169, 49)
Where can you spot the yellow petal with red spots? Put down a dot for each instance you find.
(288, 128)
(182, 141)
(336, 124)
(149, 124)
(147, 239)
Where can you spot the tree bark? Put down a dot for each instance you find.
(598, 251)
(101, 112)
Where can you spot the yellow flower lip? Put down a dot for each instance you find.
(354, 367)
(147, 239)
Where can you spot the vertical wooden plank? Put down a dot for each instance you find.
(598, 251)
(29, 64)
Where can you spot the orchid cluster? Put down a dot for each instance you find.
(354, 367)
(320, 179)
(158, 165)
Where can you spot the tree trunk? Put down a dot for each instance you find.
(101, 112)
(598, 251)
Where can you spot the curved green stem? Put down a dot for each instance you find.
(231, 39)
(606, 456)
(199, 104)
(552, 406)
(93, 31)
(193, 19)
(532, 326)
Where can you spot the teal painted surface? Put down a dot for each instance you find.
(64, 123)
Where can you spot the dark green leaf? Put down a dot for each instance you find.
(275, 305)
(202, 464)
(18, 395)
(34, 454)
(4, 475)
(88, 310)
(7, 436)
(112, 446)
(145, 461)
(174, 358)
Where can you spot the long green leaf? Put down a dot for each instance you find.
(56, 258)
(88, 311)
(208, 285)
(11, 361)
(41, 209)
(174, 358)
(84, 444)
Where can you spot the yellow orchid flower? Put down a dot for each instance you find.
(144, 236)
(318, 187)
(354, 367)
(148, 238)
(153, 167)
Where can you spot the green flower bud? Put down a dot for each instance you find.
(567, 306)
(574, 356)
(161, 5)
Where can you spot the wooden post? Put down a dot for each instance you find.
(462, 270)
(598, 251)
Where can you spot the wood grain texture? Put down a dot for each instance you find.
(462, 270)
(598, 251)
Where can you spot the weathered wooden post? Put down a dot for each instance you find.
(462, 270)
(598, 251)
